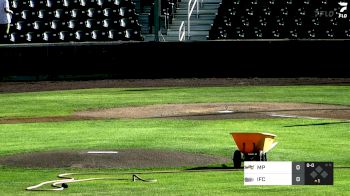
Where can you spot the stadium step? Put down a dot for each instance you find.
(201, 11)
(193, 33)
(204, 1)
(204, 6)
(194, 17)
(193, 38)
(200, 25)
(195, 22)
(193, 28)
(144, 20)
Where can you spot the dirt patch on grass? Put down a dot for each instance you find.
(202, 111)
(131, 158)
(13, 87)
(44, 119)
(221, 111)
(341, 114)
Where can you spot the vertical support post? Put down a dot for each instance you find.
(188, 20)
(197, 9)
(156, 20)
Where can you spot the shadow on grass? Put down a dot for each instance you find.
(317, 124)
(146, 89)
(222, 167)
(225, 167)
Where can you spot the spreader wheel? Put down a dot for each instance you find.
(237, 159)
(262, 156)
(265, 157)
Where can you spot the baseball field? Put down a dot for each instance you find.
(48, 129)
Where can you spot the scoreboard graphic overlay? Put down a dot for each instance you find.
(288, 173)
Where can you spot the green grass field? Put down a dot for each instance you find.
(299, 139)
(58, 103)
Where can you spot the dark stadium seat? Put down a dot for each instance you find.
(61, 14)
(40, 26)
(82, 36)
(57, 25)
(124, 3)
(71, 4)
(98, 35)
(34, 4)
(17, 5)
(49, 36)
(126, 12)
(283, 19)
(311, 33)
(82, 4)
(110, 24)
(110, 13)
(92, 24)
(33, 37)
(22, 26)
(92, 3)
(74, 25)
(54, 4)
(101, 3)
(65, 36)
(132, 34)
(28, 15)
(127, 23)
(78, 14)
(16, 16)
(116, 35)
(5, 39)
(17, 37)
(108, 4)
(72, 20)
(45, 15)
(94, 13)
(347, 34)
(258, 34)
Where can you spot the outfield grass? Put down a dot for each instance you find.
(329, 142)
(211, 183)
(299, 139)
(311, 142)
(55, 103)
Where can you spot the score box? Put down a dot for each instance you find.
(288, 173)
(319, 173)
(267, 179)
(267, 173)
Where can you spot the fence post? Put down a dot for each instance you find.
(156, 20)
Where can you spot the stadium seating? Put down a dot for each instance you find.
(279, 19)
(103, 20)
(40, 21)
(167, 11)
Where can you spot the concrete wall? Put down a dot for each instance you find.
(171, 59)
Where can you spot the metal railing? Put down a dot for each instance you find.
(182, 31)
(189, 14)
(167, 15)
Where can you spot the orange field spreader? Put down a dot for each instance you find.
(252, 147)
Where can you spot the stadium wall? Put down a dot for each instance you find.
(248, 58)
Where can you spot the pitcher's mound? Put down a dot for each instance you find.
(130, 158)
